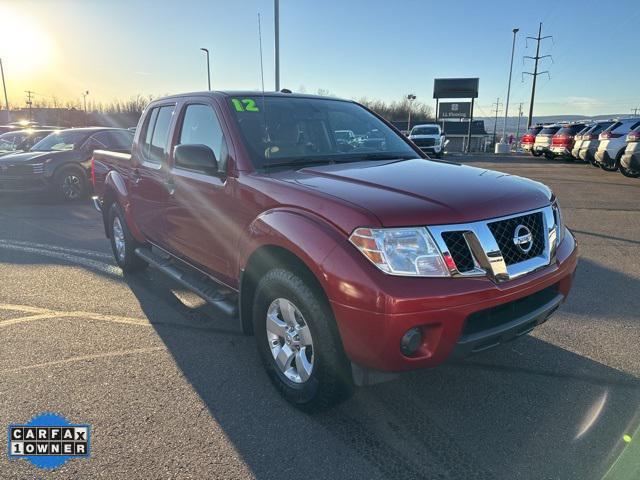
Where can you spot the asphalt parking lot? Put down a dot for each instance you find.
(171, 392)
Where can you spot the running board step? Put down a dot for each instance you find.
(221, 298)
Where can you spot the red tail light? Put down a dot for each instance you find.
(528, 138)
(561, 140)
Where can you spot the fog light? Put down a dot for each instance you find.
(411, 341)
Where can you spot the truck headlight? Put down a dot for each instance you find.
(560, 228)
(401, 251)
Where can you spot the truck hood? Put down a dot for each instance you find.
(423, 192)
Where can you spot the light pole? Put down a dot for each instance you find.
(84, 97)
(411, 97)
(506, 106)
(206, 51)
(6, 99)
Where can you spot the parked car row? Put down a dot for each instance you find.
(609, 144)
(55, 161)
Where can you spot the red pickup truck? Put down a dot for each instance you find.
(349, 260)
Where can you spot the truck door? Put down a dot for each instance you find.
(200, 224)
(149, 189)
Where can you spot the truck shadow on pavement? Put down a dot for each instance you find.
(528, 410)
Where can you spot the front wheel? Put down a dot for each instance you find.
(122, 242)
(70, 184)
(298, 342)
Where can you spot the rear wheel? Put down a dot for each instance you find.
(122, 242)
(629, 172)
(536, 153)
(299, 343)
(549, 155)
(615, 166)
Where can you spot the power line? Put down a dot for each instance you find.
(535, 73)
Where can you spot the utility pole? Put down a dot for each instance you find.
(84, 95)
(6, 99)
(518, 129)
(411, 97)
(495, 125)
(634, 110)
(506, 106)
(30, 102)
(276, 19)
(535, 73)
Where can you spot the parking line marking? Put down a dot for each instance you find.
(83, 358)
(47, 314)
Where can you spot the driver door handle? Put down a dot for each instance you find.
(170, 185)
(136, 176)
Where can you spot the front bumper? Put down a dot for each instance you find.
(371, 336)
(23, 184)
(433, 149)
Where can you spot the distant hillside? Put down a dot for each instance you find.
(512, 122)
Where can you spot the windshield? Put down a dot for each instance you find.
(293, 130)
(425, 131)
(65, 140)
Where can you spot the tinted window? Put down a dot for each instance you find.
(156, 133)
(549, 130)
(200, 126)
(284, 130)
(570, 129)
(534, 130)
(147, 130)
(114, 139)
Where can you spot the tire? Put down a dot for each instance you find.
(549, 156)
(124, 253)
(615, 166)
(536, 153)
(315, 373)
(70, 184)
(627, 172)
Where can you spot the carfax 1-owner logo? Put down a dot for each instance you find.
(49, 440)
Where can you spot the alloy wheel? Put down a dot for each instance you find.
(290, 340)
(118, 239)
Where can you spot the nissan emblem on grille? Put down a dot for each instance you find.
(523, 239)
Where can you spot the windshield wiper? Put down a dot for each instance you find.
(298, 163)
(373, 156)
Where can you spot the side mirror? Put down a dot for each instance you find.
(196, 157)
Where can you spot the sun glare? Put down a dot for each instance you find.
(24, 45)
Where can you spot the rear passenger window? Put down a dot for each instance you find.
(155, 133)
(200, 126)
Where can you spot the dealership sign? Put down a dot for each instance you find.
(455, 87)
(455, 110)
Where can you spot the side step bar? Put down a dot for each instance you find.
(221, 298)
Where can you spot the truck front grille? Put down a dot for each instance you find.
(500, 248)
(504, 231)
(459, 251)
(425, 142)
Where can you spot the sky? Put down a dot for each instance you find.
(117, 49)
